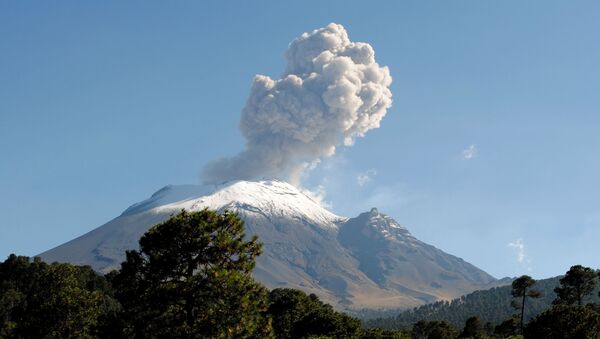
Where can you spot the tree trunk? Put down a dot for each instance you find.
(523, 309)
(189, 311)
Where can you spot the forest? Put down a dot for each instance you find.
(491, 306)
(191, 278)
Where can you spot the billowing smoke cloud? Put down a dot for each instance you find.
(331, 92)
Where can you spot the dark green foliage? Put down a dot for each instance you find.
(38, 300)
(326, 322)
(287, 307)
(565, 321)
(377, 333)
(577, 283)
(297, 315)
(488, 329)
(521, 289)
(473, 329)
(433, 330)
(191, 278)
(507, 328)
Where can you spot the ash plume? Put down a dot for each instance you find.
(332, 91)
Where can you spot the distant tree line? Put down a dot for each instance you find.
(493, 306)
(569, 308)
(191, 278)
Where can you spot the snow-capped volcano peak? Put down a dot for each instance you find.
(268, 197)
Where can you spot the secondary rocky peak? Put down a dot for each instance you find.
(374, 224)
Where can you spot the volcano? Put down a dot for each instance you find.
(369, 261)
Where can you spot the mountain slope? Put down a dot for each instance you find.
(365, 262)
(395, 259)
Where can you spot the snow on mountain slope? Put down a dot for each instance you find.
(369, 261)
(272, 197)
(167, 195)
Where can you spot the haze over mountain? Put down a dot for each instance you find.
(369, 261)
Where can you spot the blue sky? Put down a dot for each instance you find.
(103, 104)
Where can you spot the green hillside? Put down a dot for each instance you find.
(493, 305)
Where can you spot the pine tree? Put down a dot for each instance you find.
(191, 278)
(521, 289)
(577, 283)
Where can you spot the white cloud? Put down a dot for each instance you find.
(470, 152)
(522, 258)
(364, 178)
